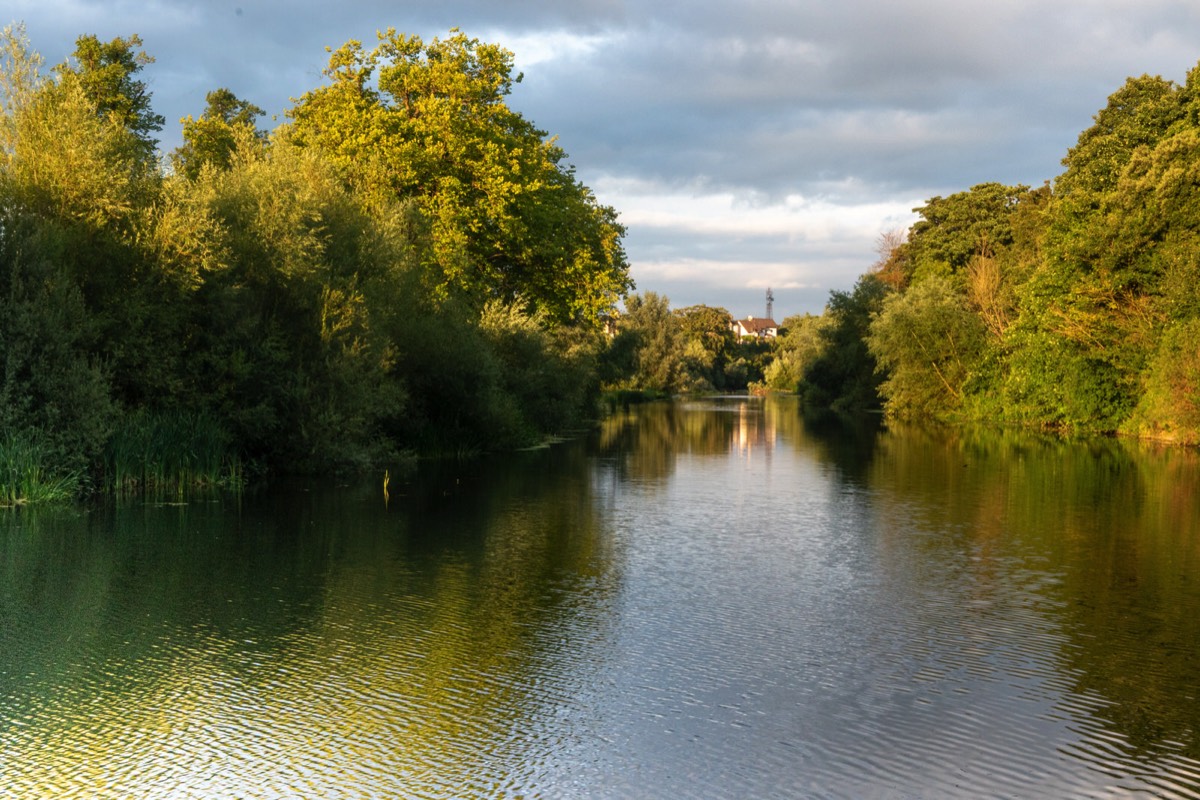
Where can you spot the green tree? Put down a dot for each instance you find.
(107, 73)
(843, 377)
(1082, 241)
(708, 344)
(213, 138)
(651, 336)
(546, 375)
(98, 181)
(954, 229)
(801, 342)
(926, 342)
(1138, 114)
(53, 391)
(290, 323)
(92, 198)
(508, 219)
(1120, 232)
(1169, 408)
(297, 294)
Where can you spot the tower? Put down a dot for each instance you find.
(770, 302)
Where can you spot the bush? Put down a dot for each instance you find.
(1170, 407)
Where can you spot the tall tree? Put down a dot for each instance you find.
(955, 228)
(508, 219)
(1139, 113)
(213, 138)
(108, 74)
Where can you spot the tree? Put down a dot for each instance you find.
(297, 295)
(801, 342)
(53, 390)
(98, 181)
(508, 220)
(708, 344)
(213, 138)
(651, 336)
(107, 74)
(926, 343)
(92, 196)
(290, 324)
(1118, 259)
(955, 228)
(843, 377)
(1169, 408)
(1138, 114)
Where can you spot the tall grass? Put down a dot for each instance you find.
(170, 453)
(25, 477)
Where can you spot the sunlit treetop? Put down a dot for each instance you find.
(507, 218)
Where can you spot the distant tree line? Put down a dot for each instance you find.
(404, 265)
(658, 351)
(1073, 306)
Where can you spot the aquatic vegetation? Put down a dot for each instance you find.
(170, 452)
(26, 477)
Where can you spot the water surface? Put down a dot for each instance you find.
(708, 599)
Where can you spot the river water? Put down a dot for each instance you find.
(709, 599)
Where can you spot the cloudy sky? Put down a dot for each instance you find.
(745, 144)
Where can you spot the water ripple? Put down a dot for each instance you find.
(748, 623)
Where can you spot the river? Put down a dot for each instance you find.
(704, 599)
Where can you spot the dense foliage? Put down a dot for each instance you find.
(659, 351)
(406, 266)
(1073, 306)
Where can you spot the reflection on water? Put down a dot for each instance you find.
(1110, 534)
(307, 644)
(706, 599)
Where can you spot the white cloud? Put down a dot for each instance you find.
(533, 50)
(794, 219)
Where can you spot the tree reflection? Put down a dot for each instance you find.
(314, 637)
(309, 641)
(1107, 534)
(646, 441)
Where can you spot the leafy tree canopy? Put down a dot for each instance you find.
(508, 219)
(212, 139)
(1139, 113)
(955, 228)
(107, 72)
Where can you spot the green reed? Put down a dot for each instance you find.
(25, 477)
(169, 453)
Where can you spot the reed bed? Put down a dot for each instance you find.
(25, 477)
(170, 453)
